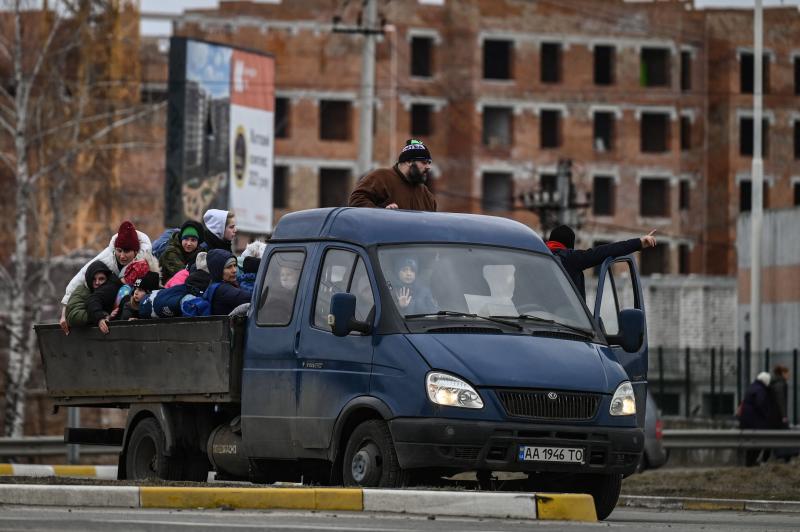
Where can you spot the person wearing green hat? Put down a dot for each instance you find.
(181, 250)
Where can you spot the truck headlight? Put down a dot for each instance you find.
(447, 390)
(624, 402)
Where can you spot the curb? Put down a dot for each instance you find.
(530, 506)
(35, 470)
(691, 503)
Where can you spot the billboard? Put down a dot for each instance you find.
(221, 105)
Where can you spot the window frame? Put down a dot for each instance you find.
(263, 285)
(359, 256)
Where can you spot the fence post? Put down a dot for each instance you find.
(794, 382)
(713, 376)
(738, 375)
(688, 385)
(766, 360)
(721, 371)
(661, 373)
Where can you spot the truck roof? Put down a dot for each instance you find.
(387, 226)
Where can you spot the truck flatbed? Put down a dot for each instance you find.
(183, 360)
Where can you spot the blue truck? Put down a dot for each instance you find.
(381, 348)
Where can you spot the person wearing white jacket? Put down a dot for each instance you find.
(125, 247)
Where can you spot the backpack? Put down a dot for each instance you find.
(160, 245)
(199, 306)
(167, 302)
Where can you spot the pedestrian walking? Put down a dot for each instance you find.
(756, 414)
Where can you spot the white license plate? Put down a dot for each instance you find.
(550, 454)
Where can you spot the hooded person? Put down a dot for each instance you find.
(227, 295)
(400, 187)
(411, 296)
(126, 246)
(249, 261)
(103, 285)
(181, 250)
(756, 413)
(219, 229)
(562, 245)
(129, 307)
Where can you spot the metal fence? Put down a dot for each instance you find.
(710, 382)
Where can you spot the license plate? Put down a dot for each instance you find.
(550, 454)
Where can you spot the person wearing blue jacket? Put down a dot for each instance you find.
(562, 245)
(228, 295)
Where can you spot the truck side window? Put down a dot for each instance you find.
(360, 287)
(609, 308)
(337, 270)
(280, 288)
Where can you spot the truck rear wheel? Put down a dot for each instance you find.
(145, 457)
(370, 460)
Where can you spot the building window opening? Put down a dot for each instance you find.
(603, 65)
(656, 260)
(683, 195)
(551, 62)
(746, 195)
(334, 120)
(797, 139)
(280, 187)
(797, 75)
(282, 124)
(747, 70)
(683, 259)
(497, 191)
(686, 71)
(548, 185)
(655, 67)
(421, 56)
(550, 129)
(421, 119)
(603, 131)
(603, 196)
(334, 187)
(497, 59)
(796, 188)
(686, 133)
(655, 132)
(746, 137)
(497, 127)
(654, 197)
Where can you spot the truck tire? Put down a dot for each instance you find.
(369, 459)
(605, 491)
(145, 458)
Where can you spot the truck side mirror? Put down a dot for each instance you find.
(342, 315)
(631, 330)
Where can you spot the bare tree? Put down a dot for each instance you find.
(55, 111)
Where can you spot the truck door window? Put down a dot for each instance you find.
(609, 309)
(335, 276)
(360, 287)
(276, 304)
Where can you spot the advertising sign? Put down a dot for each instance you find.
(219, 133)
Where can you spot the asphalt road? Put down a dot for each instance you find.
(31, 519)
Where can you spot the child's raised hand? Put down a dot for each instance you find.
(404, 297)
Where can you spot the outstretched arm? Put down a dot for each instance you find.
(589, 258)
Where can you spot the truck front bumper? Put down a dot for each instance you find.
(459, 445)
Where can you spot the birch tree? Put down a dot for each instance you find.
(50, 119)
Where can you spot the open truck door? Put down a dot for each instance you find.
(619, 310)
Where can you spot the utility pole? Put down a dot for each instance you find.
(367, 89)
(757, 188)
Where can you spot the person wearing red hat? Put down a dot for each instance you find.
(125, 246)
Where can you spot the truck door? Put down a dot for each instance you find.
(619, 288)
(270, 363)
(332, 370)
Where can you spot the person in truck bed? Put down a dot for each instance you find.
(103, 285)
(125, 246)
(181, 250)
(228, 295)
(219, 229)
(129, 306)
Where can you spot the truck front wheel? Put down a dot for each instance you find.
(370, 460)
(145, 457)
(605, 490)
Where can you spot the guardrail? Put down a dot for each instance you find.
(730, 439)
(48, 446)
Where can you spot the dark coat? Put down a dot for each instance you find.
(779, 396)
(755, 407)
(101, 301)
(227, 297)
(386, 186)
(212, 241)
(577, 260)
(422, 301)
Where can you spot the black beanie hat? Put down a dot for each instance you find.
(563, 234)
(414, 150)
(148, 283)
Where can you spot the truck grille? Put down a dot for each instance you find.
(537, 404)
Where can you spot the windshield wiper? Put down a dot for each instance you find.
(531, 317)
(464, 315)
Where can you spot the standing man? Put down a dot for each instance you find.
(562, 244)
(399, 187)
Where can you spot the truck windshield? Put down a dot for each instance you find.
(480, 280)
